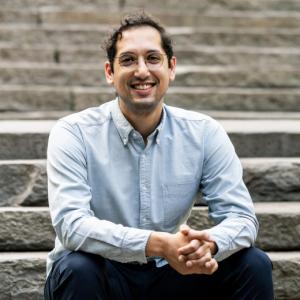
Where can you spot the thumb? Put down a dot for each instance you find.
(200, 235)
(184, 229)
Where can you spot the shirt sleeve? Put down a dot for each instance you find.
(229, 203)
(75, 224)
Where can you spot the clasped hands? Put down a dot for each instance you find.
(195, 251)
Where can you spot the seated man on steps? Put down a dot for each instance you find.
(122, 179)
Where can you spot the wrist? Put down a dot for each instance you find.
(156, 244)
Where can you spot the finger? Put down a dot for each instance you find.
(184, 229)
(200, 235)
(191, 247)
(202, 251)
(201, 262)
(211, 267)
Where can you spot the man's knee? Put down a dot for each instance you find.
(256, 261)
(82, 264)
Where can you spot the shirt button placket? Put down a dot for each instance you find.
(144, 190)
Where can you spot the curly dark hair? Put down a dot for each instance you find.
(136, 20)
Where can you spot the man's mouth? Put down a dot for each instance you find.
(142, 86)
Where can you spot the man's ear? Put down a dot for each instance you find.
(109, 74)
(172, 68)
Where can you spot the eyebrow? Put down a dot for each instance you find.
(131, 52)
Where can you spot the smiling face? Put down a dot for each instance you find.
(140, 86)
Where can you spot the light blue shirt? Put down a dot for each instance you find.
(108, 190)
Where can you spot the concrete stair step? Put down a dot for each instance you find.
(194, 5)
(23, 275)
(80, 34)
(186, 75)
(44, 98)
(279, 227)
(24, 182)
(173, 17)
(275, 219)
(219, 115)
(251, 138)
(201, 55)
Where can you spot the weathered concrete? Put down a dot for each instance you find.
(22, 275)
(45, 98)
(29, 228)
(268, 179)
(25, 229)
(279, 224)
(251, 138)
(241, 19)
(286, 274)
(93, 75)
(193, 5)
(23, 183)
(28, 98)
(216, 114)
(271, 179)
(88, 34)
(189, 55)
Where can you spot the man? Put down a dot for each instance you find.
(122, 179)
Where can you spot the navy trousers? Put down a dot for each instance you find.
(246, 274)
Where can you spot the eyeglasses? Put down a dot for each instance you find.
(153, 60)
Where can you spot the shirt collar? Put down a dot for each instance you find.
(124, 128)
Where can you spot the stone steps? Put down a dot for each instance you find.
(24, 182)
(216, 114)
(90, 75)
(279, 226)
(92, 15)
(81, 34)
(195, 5)
(44, 98)
(189, 55)
(22, 275)
(251, 138)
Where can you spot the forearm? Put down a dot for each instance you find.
(81, 231)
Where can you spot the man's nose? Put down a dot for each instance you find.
(142, 69)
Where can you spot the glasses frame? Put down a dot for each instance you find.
(136, 60)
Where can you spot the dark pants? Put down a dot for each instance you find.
(246, 274)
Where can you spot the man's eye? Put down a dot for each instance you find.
(127, 60)
(154, 59)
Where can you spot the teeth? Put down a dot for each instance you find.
(142, 86)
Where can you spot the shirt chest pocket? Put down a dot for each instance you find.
(177, 202)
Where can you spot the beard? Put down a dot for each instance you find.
(142, 106)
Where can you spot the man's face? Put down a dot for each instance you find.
(140, 85)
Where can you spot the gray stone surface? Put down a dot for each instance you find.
(22, 275)
(25, 229)
(286, 274)
(30, 228)
(92, 75)
(79, 34)
(203, 55)
(43, 98)
(251, 138)
(23, 183)
(28, 98)
(272, 179)
(175, 18)
(279, 224)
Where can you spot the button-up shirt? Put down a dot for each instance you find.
(108, 189)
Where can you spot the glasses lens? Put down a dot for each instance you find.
(152, 60)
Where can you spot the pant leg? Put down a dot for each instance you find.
(245, 275)
(80, 275)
